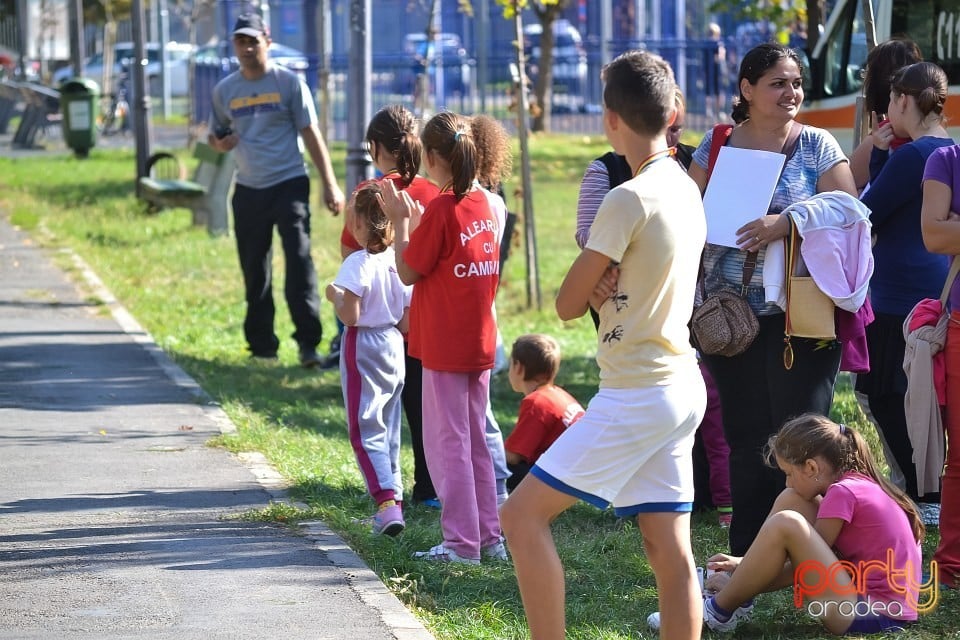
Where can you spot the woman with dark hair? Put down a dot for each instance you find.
(757, 393)
(886, 58)
(904, 271)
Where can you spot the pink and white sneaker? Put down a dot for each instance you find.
(388, 521)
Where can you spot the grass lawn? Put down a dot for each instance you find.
(185, 288)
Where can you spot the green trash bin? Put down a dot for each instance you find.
(79, 99)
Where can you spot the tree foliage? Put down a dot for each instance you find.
(547, 12)
(783, 15)
(102, 11)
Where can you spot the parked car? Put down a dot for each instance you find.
(421, 56)
(569, 62)
(178, 58)
(291, 58)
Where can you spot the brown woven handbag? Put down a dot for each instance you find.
(725, 325)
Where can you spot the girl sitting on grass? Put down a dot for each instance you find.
(836, 506)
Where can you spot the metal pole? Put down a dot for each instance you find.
(77, 45)
(163, 15)
(323, 79)
(141, 98)
(606, 31)
(439, 87)
(22, 37)
(358, 93)
(483, 36)
(529, 227)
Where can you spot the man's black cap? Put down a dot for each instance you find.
(250, 24)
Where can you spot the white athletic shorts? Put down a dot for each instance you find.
(632, 449)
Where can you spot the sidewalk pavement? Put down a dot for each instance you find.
(116, 517)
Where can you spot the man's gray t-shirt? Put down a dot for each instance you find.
(267, 114)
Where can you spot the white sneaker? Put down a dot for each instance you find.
(440, 553)
(653, 621)
(741, 614)
(495, 551)
(929, 513)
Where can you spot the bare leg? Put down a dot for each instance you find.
(525, 518)
(666, 540)
(787, 535)
(790, 500)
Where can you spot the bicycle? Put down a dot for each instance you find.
(115, 116)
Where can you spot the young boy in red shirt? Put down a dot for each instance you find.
(546, 409)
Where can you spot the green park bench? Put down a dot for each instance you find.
(165, 185)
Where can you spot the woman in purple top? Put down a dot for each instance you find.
(941, 234)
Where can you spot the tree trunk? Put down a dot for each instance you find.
(543, 88)
(814, 20)
(109, 53)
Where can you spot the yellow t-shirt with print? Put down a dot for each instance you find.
(654, 226)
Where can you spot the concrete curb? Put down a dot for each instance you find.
(362, 580)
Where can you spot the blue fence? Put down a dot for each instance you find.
(453, 85)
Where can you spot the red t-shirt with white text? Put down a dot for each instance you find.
(456, 253)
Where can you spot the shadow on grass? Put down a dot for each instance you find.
(67, 194)
(123, 240)
(297, 396)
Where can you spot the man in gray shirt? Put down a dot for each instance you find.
(263, 111)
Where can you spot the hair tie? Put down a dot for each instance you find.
(843, 428)
(456, 136)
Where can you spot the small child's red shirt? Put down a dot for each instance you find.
(544, 415)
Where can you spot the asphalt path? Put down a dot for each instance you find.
(116, 518)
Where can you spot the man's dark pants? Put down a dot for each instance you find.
(255, 213)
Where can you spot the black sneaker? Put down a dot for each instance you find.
(332, 361)
(309, 358)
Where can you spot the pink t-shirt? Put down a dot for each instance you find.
(874, 524)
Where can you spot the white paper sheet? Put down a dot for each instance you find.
(740, 190)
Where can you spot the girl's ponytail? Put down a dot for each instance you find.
(447, 135)
(394, 130)
(408, 155)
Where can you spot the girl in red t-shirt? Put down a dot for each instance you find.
(451, 251)
(396, 152)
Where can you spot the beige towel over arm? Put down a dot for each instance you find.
(924, 423)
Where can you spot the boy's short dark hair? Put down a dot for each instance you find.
(539, 355)
(639, 87)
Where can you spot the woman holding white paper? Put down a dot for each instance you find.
(757, 393)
